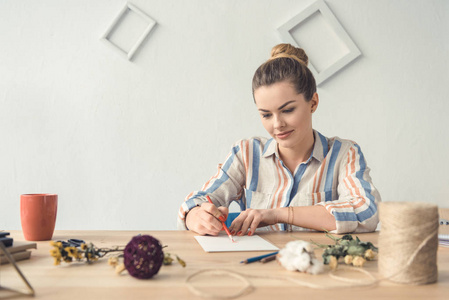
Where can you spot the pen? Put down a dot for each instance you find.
(222, 222)
(257, 258)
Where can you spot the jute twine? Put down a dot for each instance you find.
(408, 242)
(248, 287)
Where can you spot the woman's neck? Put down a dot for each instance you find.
(292, 157)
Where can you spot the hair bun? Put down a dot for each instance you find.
(287, 50)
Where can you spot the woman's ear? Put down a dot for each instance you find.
(314, 102)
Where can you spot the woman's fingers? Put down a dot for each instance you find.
(254, 224)
(202, 220)
(248, 219)
(251, 218)
(224, 211)
(213, 210)
(210, 223)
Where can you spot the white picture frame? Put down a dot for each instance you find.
(116, 22)
(351, 51)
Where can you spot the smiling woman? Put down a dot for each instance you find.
(298, 179)
(287, 117)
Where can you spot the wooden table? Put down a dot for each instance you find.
(99, 281)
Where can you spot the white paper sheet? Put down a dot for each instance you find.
(222, 243)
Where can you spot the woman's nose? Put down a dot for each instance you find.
(278, 122)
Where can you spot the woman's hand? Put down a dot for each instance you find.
(206, 219)
(251, 219)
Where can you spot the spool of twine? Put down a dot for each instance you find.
(408, 242)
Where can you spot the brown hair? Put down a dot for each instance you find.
(287, 63)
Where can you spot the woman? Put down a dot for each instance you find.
(297, 179)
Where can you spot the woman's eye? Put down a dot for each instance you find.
(286, 111)
(266, 116)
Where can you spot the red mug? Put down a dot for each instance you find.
(38, 216)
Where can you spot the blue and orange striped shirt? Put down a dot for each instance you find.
(335, 176)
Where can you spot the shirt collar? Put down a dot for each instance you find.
(320, 147)
(271, 148)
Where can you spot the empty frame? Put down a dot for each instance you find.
(326, 43)
(128, 30)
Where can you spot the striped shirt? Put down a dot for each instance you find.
(335, 176)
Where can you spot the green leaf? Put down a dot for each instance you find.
(332, 237)
(319, 245)
(347, 237)
(356, 250)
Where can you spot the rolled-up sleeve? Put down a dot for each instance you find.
(355, 210)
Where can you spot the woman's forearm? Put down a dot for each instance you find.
(313, 217)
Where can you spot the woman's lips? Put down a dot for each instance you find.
(284, 135)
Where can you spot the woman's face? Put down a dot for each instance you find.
(286, 115)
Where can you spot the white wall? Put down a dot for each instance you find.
(123, 143)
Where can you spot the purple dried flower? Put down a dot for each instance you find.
(143, 256)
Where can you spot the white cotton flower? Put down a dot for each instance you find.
(284, 257)
(316, 266)
(299, 256)
(301, 261)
